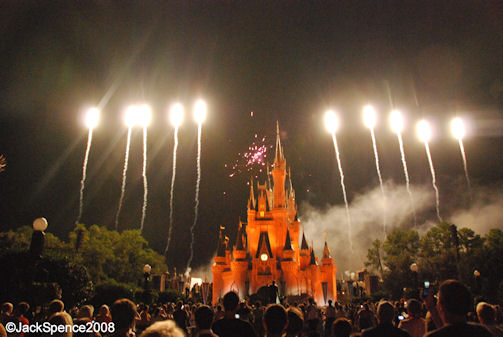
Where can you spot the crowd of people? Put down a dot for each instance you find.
(451, 312)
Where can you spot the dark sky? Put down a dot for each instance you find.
(283, 60)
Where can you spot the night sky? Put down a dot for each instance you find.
(282, 60)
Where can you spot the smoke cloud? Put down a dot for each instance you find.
(366, 217)
(486, 212)
(480, 212)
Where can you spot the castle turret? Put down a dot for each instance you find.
(305, 254)
(239, 265)
(291, 204)
(289, 266)
(219, 265)
(328, 271)
(314, 272)
(279, 174)
(251, 200)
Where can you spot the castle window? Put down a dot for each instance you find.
(264, 257)
(262, 214)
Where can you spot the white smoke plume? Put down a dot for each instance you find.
(485, 212)
(366, 215)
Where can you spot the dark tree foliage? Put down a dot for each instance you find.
(38, 280)
(440, 256)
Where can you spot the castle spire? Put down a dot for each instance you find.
(251, 201)
(239, 241)
(304, 245)
(279, 150)
(326, 251)
(279, 174)
(290, 178)
(288, 241)
(313, 258)
(268, 175)
(221, 243)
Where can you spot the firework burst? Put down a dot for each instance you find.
(254, 158)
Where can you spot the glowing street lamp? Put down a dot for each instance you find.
(92, 118)
(331, 121)
(369, 116)
(458, 128)
(176, 115)
(423, 131)
(38, 237)
(200, 111)
(396, 121)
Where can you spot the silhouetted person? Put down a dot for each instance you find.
(275, 320)
(273, 292)
(124, 316)
(295, 322)
(487, 317)
(341, 327)
(385, 327)
(163, 329)
(180, 316)
(204, 318)
(454, 303)
(330, 317)
(6, 314)
(415, 325)
(230, 326)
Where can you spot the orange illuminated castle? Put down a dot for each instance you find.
(269, 246)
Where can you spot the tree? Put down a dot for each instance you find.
(374, 260)
(38, 280)
(112, 255)
(400, 250)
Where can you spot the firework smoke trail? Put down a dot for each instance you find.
(196, 207)
(124, 172)
(376, 155)
(84, 170)
(144, 175)
(173, 175)
(334, 139)
(406, 174)
(462, 149)
(433, 180)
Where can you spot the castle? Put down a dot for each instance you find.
(269, 246)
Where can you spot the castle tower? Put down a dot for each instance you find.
(239, 265)
(328, 270)
(218, 267)
(289, 266)
(279, 174)
(305, 254)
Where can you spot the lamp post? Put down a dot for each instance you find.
(414, 268)
(38, 237)
(476, 274)
(455, 239)
(146, 275)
